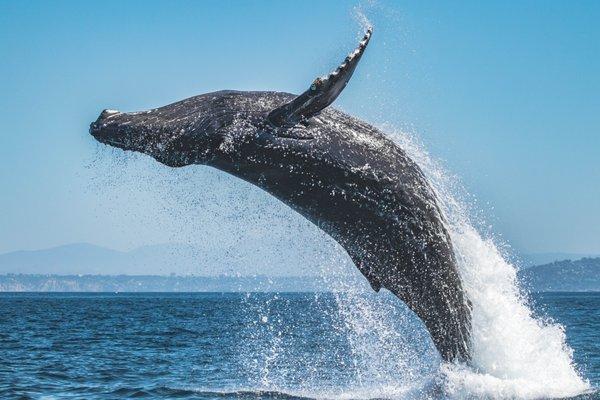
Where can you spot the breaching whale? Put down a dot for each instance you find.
(341, 173)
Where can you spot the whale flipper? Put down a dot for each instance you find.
(321, 93)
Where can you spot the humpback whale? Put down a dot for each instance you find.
(339, 172)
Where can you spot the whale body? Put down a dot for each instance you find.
(339, 172)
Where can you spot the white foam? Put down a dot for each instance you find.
(514, 353)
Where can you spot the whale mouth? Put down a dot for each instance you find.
(106, 129)
(112, 142)
(109, 135)
(104, 133)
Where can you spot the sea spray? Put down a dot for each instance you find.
(391, 354)
(514, 353)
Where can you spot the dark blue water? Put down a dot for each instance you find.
(205, 346)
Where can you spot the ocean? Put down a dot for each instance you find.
(345, 343)
(252, 345)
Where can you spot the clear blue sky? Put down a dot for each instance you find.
(506, 95)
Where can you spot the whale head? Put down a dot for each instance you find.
(183, 133)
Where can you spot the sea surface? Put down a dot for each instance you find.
(235, 345)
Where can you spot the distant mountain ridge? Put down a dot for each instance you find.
(161, 259)
(86, 267)
(563, 276)
(67, 259)
(154, 283)
(84, 258)
(533, 259)
(182, 259)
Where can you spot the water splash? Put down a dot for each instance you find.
(390, 351)
(387, 351)
(361, 17)
(514, 353)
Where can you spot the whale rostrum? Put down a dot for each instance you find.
(339, 172)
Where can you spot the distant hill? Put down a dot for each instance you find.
(83, 258)
(563, 276)
(68, 259)
(207, 260)
(246, 258)
(153, 283)
(566, 275)
(532, 259)
(86, 267)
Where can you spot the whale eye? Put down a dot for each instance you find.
(313, 86)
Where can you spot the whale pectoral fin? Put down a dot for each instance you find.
(322, 92)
